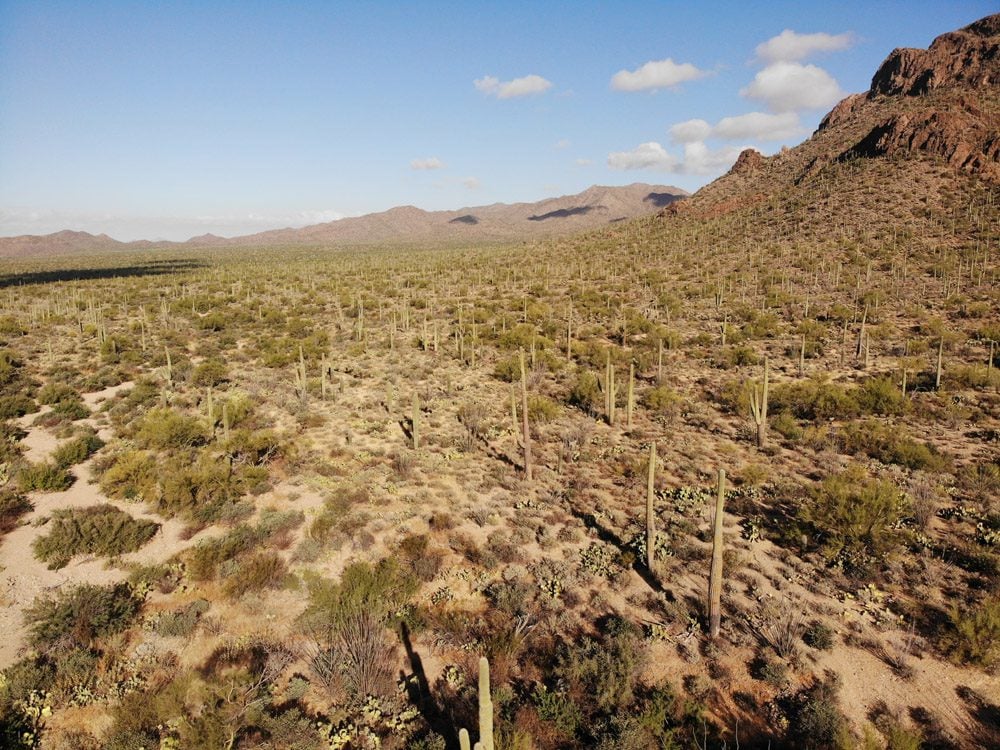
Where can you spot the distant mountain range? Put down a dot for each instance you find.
(499, 222)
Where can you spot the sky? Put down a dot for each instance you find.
(169, 120)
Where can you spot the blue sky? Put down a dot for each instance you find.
(168, 120)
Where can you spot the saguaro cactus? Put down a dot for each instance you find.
(485, 706)
(415, 422)
(650, 520)
(715, 577)
(758, 407)
(630, 401)
(526, 435)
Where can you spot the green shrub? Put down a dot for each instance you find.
(16, 405)
(542, 409)
(69, 410)
(204, 559)
(887, 444)
(44, 477)
(261, 570)
(973, 636)
(203, 489)
(13, 505)
(381, 591)
(77, 450)
(880, 396)
(586, 393)
(817, 721)
(76, 617)
(814, 399)
(129, 475)
(855, 518)
(10, 438)
(96, 530)
(52, 393)
(165, 428)
(211, 372)
(819, 636)
(663, 400)
(602, 673)
(180, 623)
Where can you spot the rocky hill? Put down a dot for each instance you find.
(928, 108)
(499, 222)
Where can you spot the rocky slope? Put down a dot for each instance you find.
(933, 106)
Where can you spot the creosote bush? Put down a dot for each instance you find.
(44, 477)
(98, 530)
(854, 518)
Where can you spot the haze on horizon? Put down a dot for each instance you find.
(166, 122)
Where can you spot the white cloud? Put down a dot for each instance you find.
(583, 162)
(472, 183)
(525, 86)
(656, 74)
(790, 46)
(758, 126)
(649, 155)
(697, 159)
(431, 162)
(789, 86)
(690, 131)
(563, 143)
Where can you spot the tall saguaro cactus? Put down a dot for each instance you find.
(758, 407)
(485, 707)
(650, 520)
(715, 577)
(526, 434)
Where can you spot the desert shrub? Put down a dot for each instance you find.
(76, 617)
(854, 517)
(887, 444)
(973, 635)
(67, 410)
(128, 475)
(97, 530)
(816, 720)
(785, 425)
(819, 636)
(166, 428)
(663, 400)
(542, 409)
(880, 396)
(53, 393)
(211, 372)
(815, 398)
(16, 405)
(586, 393)
(381, 590)
(508, 369)
(13, 505)
(253, 447)
(761, 325)
(10, 436)
(981, 481)
(44, 477)
(204, 559)
(77, 450)
(601, 673)
(740, 355)
(203, 489)
(261, 570)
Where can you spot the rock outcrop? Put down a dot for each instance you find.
(969, 56)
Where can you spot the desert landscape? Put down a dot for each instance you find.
(626, 469)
